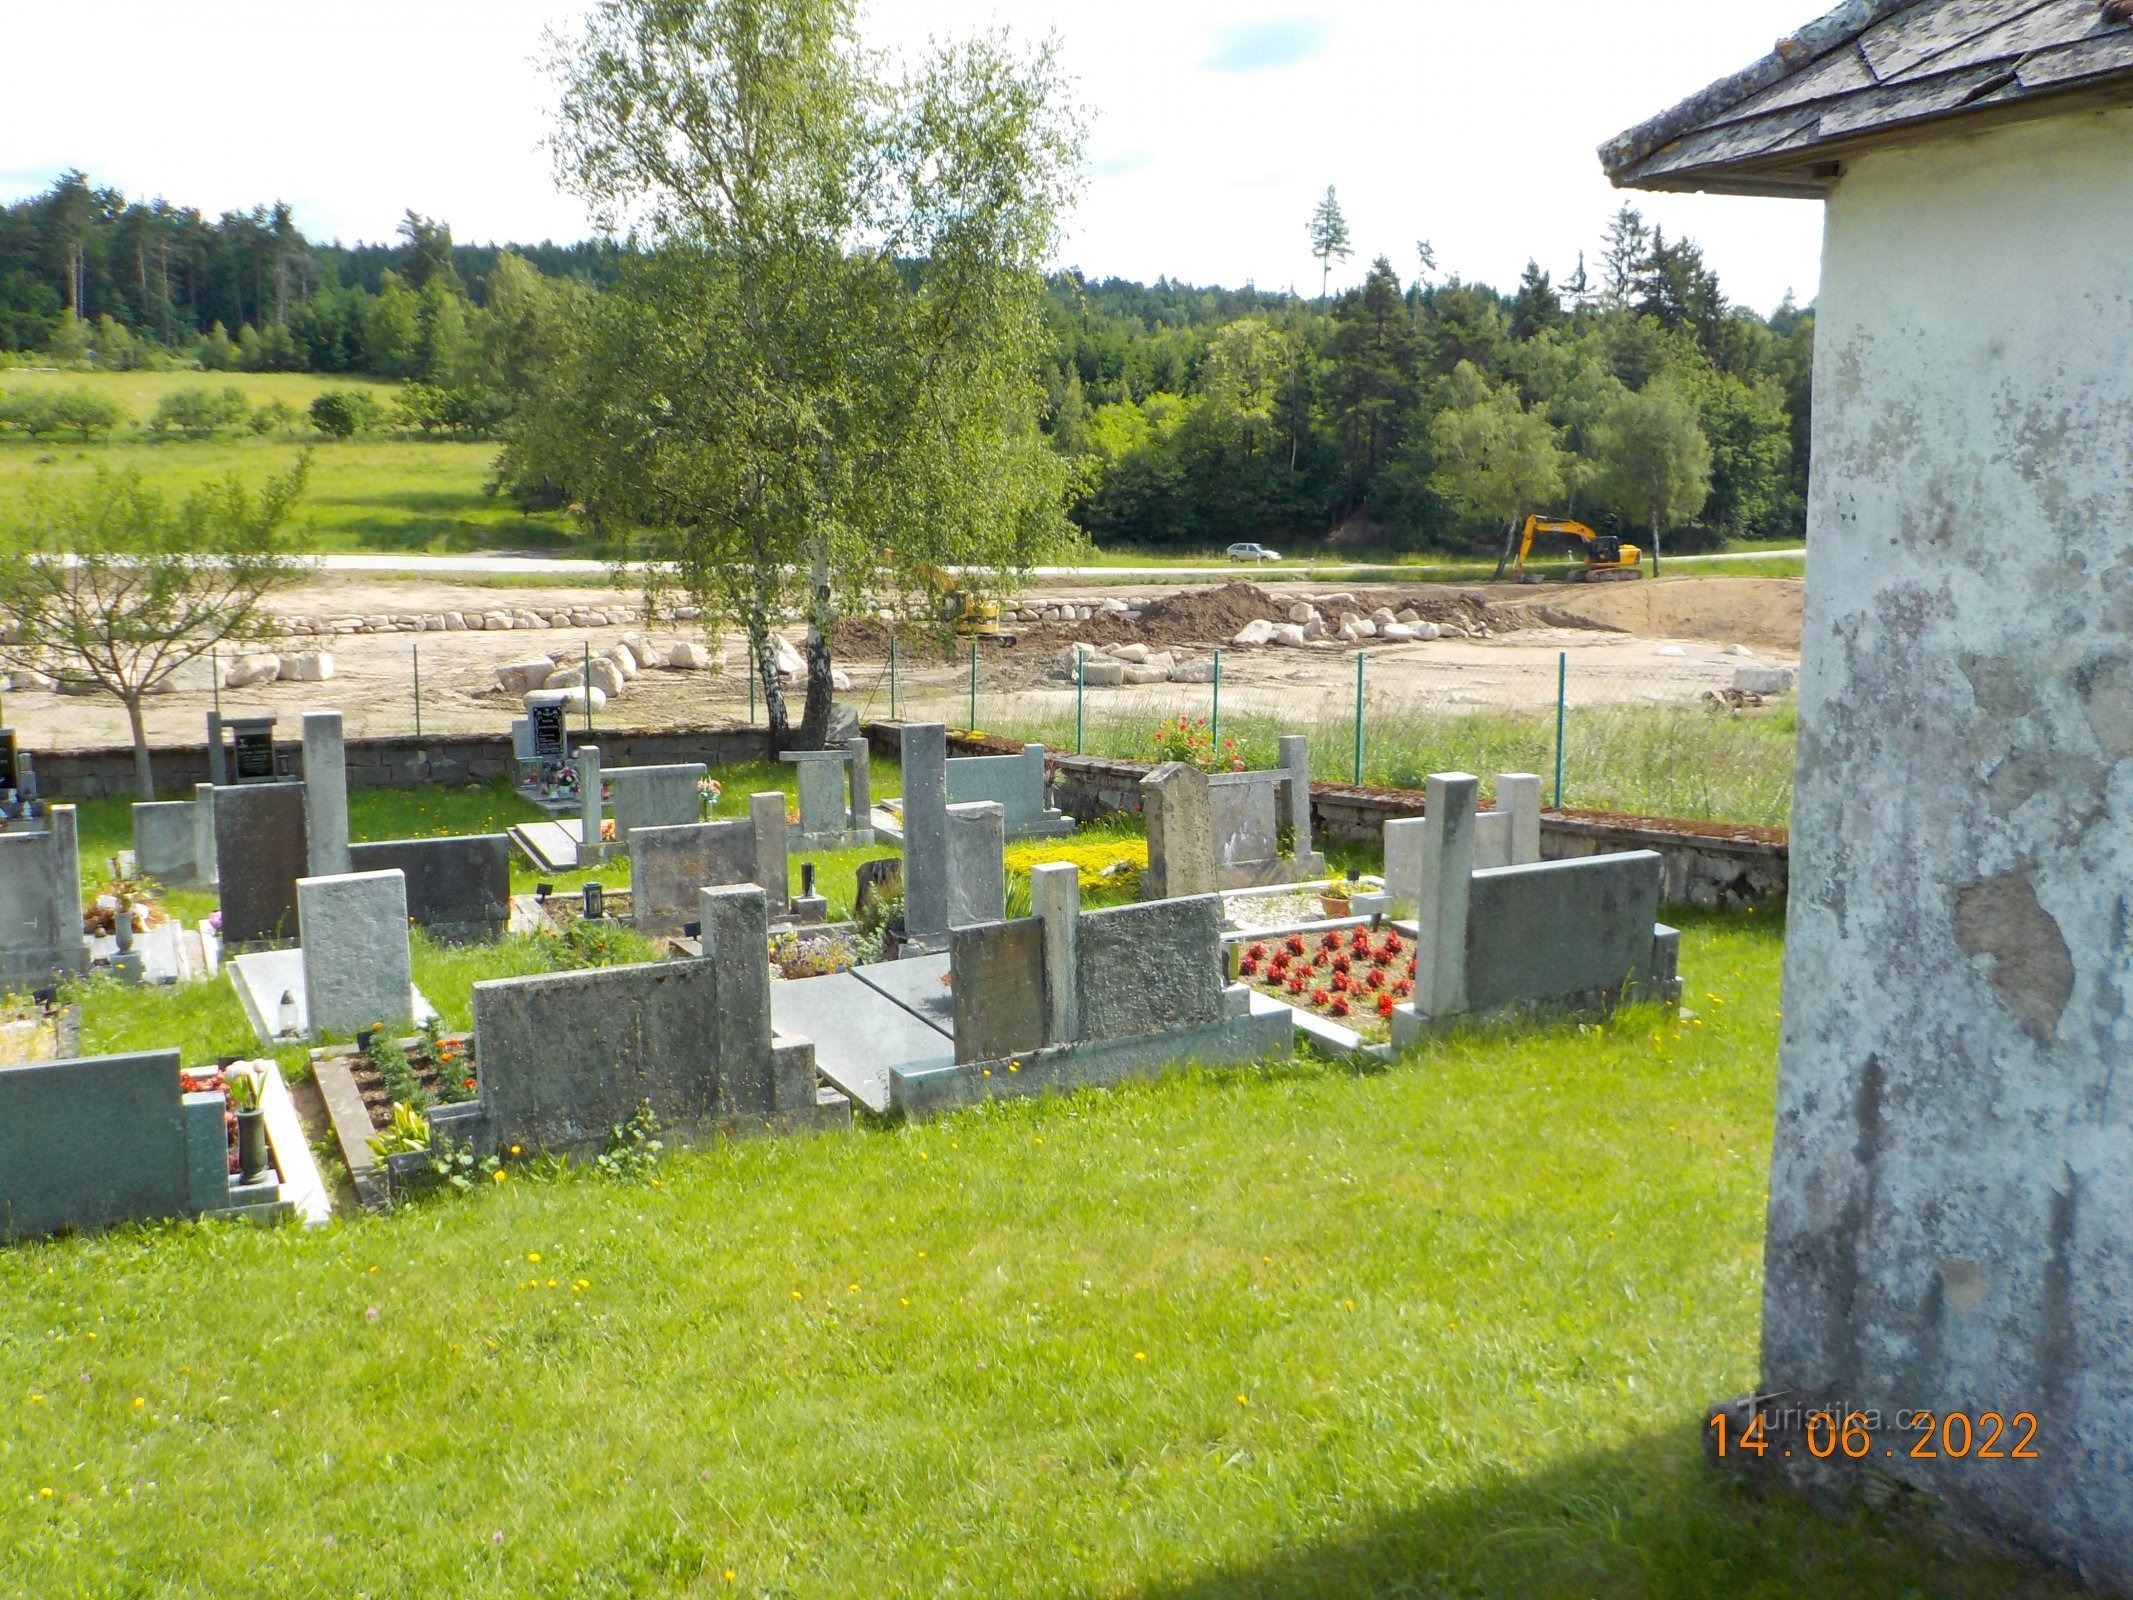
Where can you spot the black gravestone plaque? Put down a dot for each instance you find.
(547, 732)
(254, 762)
(8, 779)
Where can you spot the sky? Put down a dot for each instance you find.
(1214, 128)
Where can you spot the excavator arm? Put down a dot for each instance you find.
(1606, 556)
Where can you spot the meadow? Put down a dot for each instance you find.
(377, 491)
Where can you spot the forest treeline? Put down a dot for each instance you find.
(1408, 412)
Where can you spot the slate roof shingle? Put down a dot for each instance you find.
(1870, 71)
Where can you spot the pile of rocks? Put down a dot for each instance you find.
(601, 675)
(500, 620)
(1307, 624)
(1114, 666)
(1060, 611)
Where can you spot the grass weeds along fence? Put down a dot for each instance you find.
(1445, 1327)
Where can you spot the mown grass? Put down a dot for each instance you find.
(375, 492)
(1447, 1328)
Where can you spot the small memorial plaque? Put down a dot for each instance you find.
(254, 757)
(548, 740)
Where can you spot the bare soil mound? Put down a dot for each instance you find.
(1760, 612)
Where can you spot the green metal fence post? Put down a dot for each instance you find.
(1562, 694)
(973, 723)
(415, 650)
(892, 677)
(1080, 697)
(1216, 733)
(1359, 719)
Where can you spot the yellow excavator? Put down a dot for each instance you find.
(971, 617)
(1607, 558)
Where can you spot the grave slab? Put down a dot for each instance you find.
(163, 841)
(925, 823)
(977, 865)
(325, 794)
(1176, 804)
(917, 985)
(860, 1035)
(668, 866)
(1016, 784)
(262, 977)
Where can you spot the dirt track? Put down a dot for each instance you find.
(1672, 649)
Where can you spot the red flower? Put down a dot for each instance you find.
(1384, 1005)
(1392, 944)
(1340, 1007)
(1329, 941)
(1343, 964)
(1360, 941)
(1247, 968)
(1296, 985)
(1410, 966)
(1404, 988)
(1319, 997)
(1279, 964)
(1293, 944)
(1381, 959)
(1375, 979)
(1257, 952)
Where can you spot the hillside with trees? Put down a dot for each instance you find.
(1412, 412)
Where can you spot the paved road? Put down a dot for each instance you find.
(444, 566)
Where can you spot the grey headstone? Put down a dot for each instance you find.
(654, 797)
(1518, 796)
(163, 841)
(1245, 810)
(998, 991)
(773, 869)
(925, 802)
(40, 902)
(1295, 751)
(458, 887)
(357, 971)
(860, 758)
(1017, 783)
(204, 832)
(1405, 839)
(1055, 897)
(1181, 842)
(1150, 968)
(564, 1057)
(1445, 881)
(587, 762)
(823, 809)
(669, 867)
(89, 1142)
(736, 924)
(977, 864)
(1561, 930)
(261, 850)
(325, 794)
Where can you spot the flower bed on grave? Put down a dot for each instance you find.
(213, 1080)
(430, 1068)
(1353, 977)
(31, 1032)
(812, 956)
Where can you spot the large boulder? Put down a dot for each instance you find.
(523, 677)
(247, 671)
(790, 663)
(1397, 632)
(1102, 672)
(573, 699)
(687, 657)
(1764, 680)
(1303, 612)
(310, 666)
(1255, 633)
(1202, 671)
(605, 676)
(566, 677)
(1133, 655)
(1287, 633)
(625, 661)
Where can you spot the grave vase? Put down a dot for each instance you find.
(251, 1146)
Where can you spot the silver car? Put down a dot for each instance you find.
(1253, 552)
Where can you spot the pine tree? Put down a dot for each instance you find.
(1329, 238)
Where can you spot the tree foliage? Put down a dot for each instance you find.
(111, 588)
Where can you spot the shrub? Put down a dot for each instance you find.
(197, 413)
(37, 414)
(274, 415)
(343, 413)
(1192, 741)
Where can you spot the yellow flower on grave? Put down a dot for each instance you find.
(36, 1399)
(44, 1494)
(533, 1255)
(498, 1175)
(1140, 1355)
(1242, 1401)
(581, 1285)
(515, 1150)
(138, 1402)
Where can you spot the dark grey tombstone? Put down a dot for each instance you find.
(261, 850)
(669, 866)
(1155, 967)
(562, 1058)
(458, 888)
(1561, 931)
(998, 988)
(86, 1143)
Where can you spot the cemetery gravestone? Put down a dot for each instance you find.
(87, 1143)
(670, 866)
(925, 802)
(204, 832)
(252, 750)
(999, 991)
(325, 794)
(654, 797)
(357, 971)
(1176, 808)
(163, 841)
(977, 865)
(825, 813)
(40, 901)
(766, 814)
(458, 887)
(261, 851)
(1017, 783)
(1150, 968)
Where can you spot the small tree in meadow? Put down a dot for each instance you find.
(344, 413)
(110, 587)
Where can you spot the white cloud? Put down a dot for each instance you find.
(1471, 125)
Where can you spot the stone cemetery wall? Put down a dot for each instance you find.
(357, 971)
(261, 850)
(458, 888)
(40, 901)
(90, 1142)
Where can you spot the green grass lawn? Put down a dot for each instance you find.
(376, 492)
(1442, 1329)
